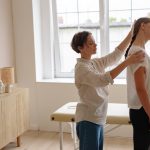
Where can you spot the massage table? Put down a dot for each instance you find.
(117, 114)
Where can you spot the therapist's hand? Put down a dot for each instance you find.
(137, 57)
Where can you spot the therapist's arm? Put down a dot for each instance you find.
(139, 77)
(134, 58)
(123, 45)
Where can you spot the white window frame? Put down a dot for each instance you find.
(104, 33)
(47, 46)
(47, 55)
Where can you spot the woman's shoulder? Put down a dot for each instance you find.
(135, 49)
(82, 65)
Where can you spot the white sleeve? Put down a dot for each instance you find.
(112, 58)
(135, 67)
(94, 79)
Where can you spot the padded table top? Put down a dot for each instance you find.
(117, 113)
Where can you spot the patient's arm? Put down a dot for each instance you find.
(139, 77)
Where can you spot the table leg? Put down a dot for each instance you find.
(74, 135)
(61, 135)
(18, 141)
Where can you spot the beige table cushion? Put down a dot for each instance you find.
(66, 113)
(117, 113)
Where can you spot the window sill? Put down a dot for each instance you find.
(71, 80)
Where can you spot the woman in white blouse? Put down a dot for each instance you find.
(92, 81)
(138, 86)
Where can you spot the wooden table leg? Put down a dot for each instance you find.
(18, 141)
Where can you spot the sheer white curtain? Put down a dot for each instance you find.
(54, 36)
(45, 37)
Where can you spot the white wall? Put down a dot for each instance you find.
(44, 97)
(6, 34)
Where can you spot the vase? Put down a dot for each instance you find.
(2, 87)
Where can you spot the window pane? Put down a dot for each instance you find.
(74, 16)
(66, 6)
(140, 13)
(138, 4)
(88, 5)
(66, 34)
(117, 34)
(119, 17)
(119, 4)
(67, 19)
(68, 58)
(89, 18)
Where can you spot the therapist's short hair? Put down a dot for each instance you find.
(79, 39)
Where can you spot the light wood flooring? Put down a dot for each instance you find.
(34, 140)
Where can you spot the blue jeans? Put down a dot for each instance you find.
(90, 135)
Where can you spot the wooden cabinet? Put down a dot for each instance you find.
(14, 115)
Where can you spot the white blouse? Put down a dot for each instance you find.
(133, 99)
(92, 83)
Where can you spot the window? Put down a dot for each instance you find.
(76, 17)
(108, 20)
(120, 19)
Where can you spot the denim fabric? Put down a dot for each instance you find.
(90, 135)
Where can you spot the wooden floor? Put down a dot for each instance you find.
(34, 140)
